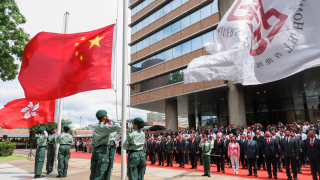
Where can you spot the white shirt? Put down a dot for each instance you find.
(302, 136)
(312, 140)
(305, 128)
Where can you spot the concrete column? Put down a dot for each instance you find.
(236, 106)
(171, 114)
(192, 121)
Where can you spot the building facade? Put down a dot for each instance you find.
(167, 34)
(155, 117)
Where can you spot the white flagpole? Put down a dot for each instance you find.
(55, 170)
(124, 94)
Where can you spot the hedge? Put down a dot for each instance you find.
(7, 148)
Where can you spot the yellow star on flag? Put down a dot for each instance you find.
(76, 44)
(81, 57)
(76, 53)
(83, 38)
(95, 41)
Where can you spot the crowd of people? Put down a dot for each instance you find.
(254, 147)
(83, 145)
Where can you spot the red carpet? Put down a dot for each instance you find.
(262, 174)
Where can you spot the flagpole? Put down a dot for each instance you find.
(55, 171)
(124, 95)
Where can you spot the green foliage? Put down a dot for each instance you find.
(7, 148)
(12, 39)
(65, 122)
(48, 125)
(11, 158)
(175, 77)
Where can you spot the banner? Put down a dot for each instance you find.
(260, 41)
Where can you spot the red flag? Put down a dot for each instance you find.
(22, 113)
(59, 65)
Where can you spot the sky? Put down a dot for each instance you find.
(84, 16)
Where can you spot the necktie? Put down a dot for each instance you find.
(268, 141)
(192, 142)
(288, 140)
(249, 143)
(312, 142)
(159, 143)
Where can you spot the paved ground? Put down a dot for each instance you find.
(80, 169)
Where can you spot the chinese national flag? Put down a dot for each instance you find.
(59, 65)
(22, 113)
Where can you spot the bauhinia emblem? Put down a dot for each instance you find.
(30, 110)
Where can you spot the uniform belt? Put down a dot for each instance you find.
(51, 144)
(111, 146)
(135, 151)
(102, 145)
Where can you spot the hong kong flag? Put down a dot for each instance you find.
(59, 65)
(22, 113)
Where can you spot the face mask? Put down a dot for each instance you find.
(311, 125)
(218, 130)
(180, 136)
(257, 133)
(267, 135)
(230, 136)
(224, 137)
(197, 137)
(242, 137)
(211, 139)
(273, 133)
(191, 138)
(310, 135)
(232, 126)
(294, 123)
(218, 137)
(281, 134)
(205, 139)
(164, 139)
(233, 139)
(279, 123)
(215, 126)
(287, 134)
(249, 137)
(292, 135)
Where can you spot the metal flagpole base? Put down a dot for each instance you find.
(54, 172)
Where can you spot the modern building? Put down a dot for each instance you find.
(155, 117)
(167, 34)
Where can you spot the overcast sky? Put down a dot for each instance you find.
(47, 15)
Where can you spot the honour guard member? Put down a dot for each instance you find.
(99, 145)
(41, 152)
(134, 144)
(206, 149)
(65, 140)
(51, 150)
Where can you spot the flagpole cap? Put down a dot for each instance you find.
(101, 113)
(42, 129)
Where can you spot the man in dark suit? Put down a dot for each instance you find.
(187, 150)
(219, 149)
(152, 150)
(223, 131)
(160, 150)
(181, 149)
(215, 129)
(242, 159)
(251, 153)
(278, 139)
(169, 148)
(270, 151)
(300, 147)
(312, 152)
(193, 151)
(261, 160)
(290, 152)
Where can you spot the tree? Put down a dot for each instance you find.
(48, 125)
(12, 39)
(175, 77)
(65, 122)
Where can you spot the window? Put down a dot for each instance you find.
(139, 26)
(145, 22)
(145, 43)
(176, 51)
(153, 39)
(167, 8)
(133, 11)
(175, 27)
(208, 37)
(139, 7)
(186, 47)
(196, 43)
(176, 4)
(139, 46)
(167, 32)
(195, 17)
(160, 35)
(215, 6)
(133, 49)
(185, 22)
(206, 11)
(152, 18)
(145, 3)
(160, 56)
(159, 13)
(168, 55)
(133, 29)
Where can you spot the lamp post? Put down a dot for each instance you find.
(80, 121)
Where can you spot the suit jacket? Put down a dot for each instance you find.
(312, 152)
(152, 146)
(160, 147)
(241, 144)
(251, 151)
(187, 146)
(235, 150)
(169, 146)
(259, 140)
(289, 149)
(215, 130)
(219, 147)
(277, 138)
(193, 147)
(181, 145)
(271, 149)
(145, 146)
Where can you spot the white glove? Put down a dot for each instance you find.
(130, 125)
(208, 154)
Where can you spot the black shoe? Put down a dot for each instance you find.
(48, 172)
(218, 171)
(259, 168)
(192, 168)
(275, 177)
(246, 167)
(300, 172)
(195, 168)
(289, 178)
(242, 167)
(295, 178)
(59, 176)
(280, 170)
(38, 176)
(209, 175)
(230, 166)
(167, 165)
(64, 175)
(204, 174)
(264, 168)
(249, 174)
(183, 166)
(269, 177)
(223, 171)
(256, 175)
(159, 164)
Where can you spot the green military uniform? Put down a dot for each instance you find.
(137, 157)
(51, 151)
(41, 151)
(65, 140)
(112, 152)
(99, 144)
(206, 148)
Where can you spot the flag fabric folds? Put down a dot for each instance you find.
(59, 65)
(23, 113)
(260, 41)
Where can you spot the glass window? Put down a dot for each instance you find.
(168, 55)
(215, 6)
(167, 8)
(185, 22)
(133, 49)
(145, 42)
(139, 26)
(206, 11)
(133, 11)
(159, 13)
(186, 47)
(196, 43)
(160, 56)
(175, 4)
(184, 1)
(176, 51)
(133, 29)
(208, 37)
(145, 22)
(214, 36)
(175, 27)
(152, 18)
(153, 39)
(195, 17)
(145, 3)
(139, 7)
(167, 31)
(159, 35)
(139, 46)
